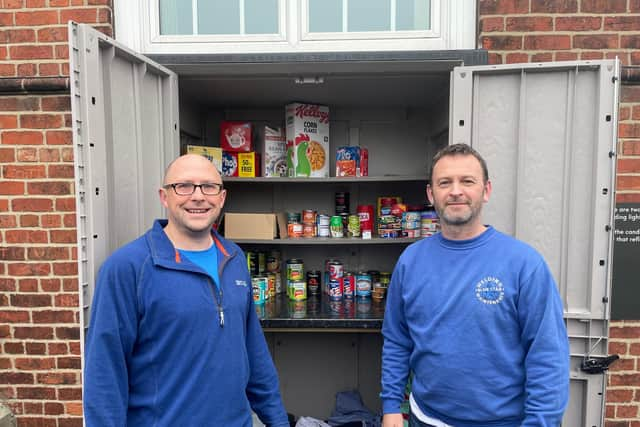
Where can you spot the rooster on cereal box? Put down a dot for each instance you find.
(300, 156)
(307, 140)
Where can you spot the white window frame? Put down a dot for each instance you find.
(453, 26)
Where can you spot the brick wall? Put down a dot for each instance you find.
(40, 377)
(560, 30)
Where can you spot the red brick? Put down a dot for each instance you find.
(6, 19)
(630, 42)
(33, 408)
(71, 422)
(37, 422)
(70, 393)
(58, 348)
(49, 155)
(5, 332)
(12, 188)
(7, 284)
(53, 35)
(74, 346)
(12, 4)
(557, 42)
(630, 94)
(7, 155)
(68, 362)
(67, 154)
(31, 52)
(590, 55)
(67, 300)
(29, 269)
(501, 42)
(29, 221)
(41, 121)
(64, 378)
(601, 41)
(554, 6)
(19, 103)
(48, 253)
(50, 187)
(635, 112)
(634, 349)
(30, 300)
(631, 148)
(56, 3)
(46, 393)
(59, 137)
(17, 36)
(63, 236)
(624, 364)
(61, 171)
(62, 51)
(30, 19)
(13, 348)
(87, 16)
(4, 205)
(36, 4)
(50, 285)
(14, 316)
(65, 269)
(12, 253)
(33, 332)
(630, 130)
(26, 236)
(628, 198)
(27, 155)
(6, 70)
(105, 17)
(50, 316)
(622, 23)
(529, 23)
(100, 3)
(48, 69)
(488, 25)
(66, 204)
(32, 205)
(22, 137)
(578, 23)
(627, 411)
(625, 380)
(8, 122)
(36, 348)
(69, 285)
(503, 7)
(27, 70)
(7, 221)
(603, 6)
(16, 378)
(628, 165)
(56, 103)
(51, 221)
(28, 285)
(517, 57)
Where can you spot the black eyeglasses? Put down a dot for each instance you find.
(188, 188)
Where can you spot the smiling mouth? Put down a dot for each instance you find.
(197, 211)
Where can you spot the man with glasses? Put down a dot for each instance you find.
(174, 338)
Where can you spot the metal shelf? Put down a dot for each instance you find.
(327, 241)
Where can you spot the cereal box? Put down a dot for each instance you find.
(235, 136)
(347, 161)
(274, 152)
(307, 140)
(214, 154)
(248, 165)
(229, 163)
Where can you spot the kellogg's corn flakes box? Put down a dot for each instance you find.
(307, 140)
(214, 154)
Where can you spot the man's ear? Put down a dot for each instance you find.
(429, 194)
(162, 193)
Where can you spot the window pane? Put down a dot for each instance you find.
(175, 19)
(261, 16)
(369, 15)
(413, 15)
(218, 16)
(325, 16)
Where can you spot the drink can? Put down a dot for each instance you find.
(336, 227)
(336, 270)
(335, 289)
(363, 285)
(259, 289)
(353, 226)
(348, 285)
(313, 282)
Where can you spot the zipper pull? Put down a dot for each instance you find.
(221, 315)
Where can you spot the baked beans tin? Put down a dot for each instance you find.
(308, 216)
(348, 285)
(335, 289)
(363, 285)
(313, 282)
(308, 230)
(298, 290)
(294, 230)
(259, 289)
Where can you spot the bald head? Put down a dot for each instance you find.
(191, 167)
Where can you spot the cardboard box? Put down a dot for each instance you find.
(236, 136)
(307, 140)
(265, 226)
(214, 154)
(274, 151)
(229, 163)
(248, 165)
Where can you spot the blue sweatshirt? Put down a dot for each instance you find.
(156, 353)
(479, 323)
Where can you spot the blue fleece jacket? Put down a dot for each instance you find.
(156, 353)
(479, 323)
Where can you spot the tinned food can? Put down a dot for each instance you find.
(259, 289)
(336, 270)
(295, 270)
(353, 226)
(252, 262)
(313, 282)
(335, 289)
(298, 290)
(335, 226)
(363, 285)
(348, 285)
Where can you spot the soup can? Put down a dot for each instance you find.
(363, 285)
(335, 289)
(308, 216)
(294, 230)
(336, 270)
(348, 285)
(308, 230)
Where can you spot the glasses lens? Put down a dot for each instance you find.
(211, 189)
(184, 188)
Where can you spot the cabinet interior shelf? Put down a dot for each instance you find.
(333, 179)
(328, 241)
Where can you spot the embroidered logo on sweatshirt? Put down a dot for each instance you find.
(490, 290)
(241, 283)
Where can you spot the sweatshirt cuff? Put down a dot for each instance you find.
(391, 406)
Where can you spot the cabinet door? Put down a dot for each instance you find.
(548, 133)
(125, 131)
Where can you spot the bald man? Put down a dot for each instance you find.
(174, 339)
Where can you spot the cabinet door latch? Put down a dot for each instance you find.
(598, 365)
